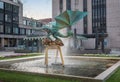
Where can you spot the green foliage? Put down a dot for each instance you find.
(7, 76)
(20, 56)
(100, 55)
(115, 77)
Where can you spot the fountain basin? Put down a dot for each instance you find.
(76, 67)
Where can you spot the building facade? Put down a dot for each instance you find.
(13, 26)
(10, 23)
(102, 19)
(32, 30)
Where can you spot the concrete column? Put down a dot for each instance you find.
(17, 42)
(2, 42)
(8, 42)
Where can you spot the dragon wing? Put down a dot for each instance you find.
(68, 18)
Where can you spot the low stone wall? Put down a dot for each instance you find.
(90, 51)
(100, 78)
(22, 51)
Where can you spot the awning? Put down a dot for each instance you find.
(34, 38)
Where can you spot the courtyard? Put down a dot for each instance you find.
(59, 41)
(74, 70)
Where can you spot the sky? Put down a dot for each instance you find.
(37, 9)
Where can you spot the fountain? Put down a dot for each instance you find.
(64, 20)
(71, 66)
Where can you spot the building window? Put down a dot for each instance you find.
(1, 29)
(8, 7)
(68, 4)
(15, 9)
(76, 4)
(22, 31)
(28, 31)
(33, 23)
(28, 23)
(38, 24)
(1, 16)
(15, 18)
(8, 17)
(85, 21)
(15, 29)
(8, 29)
(1, 5)
(24, 22)
(61, 5)
(98, 16)
(32, 31)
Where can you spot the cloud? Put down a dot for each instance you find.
(37, 8)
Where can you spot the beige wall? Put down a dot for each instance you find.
(89, 6)
(113, 20)
(113, 23)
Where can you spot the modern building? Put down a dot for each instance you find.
(103, 20)
(32, 41)
(13, 26)
(10, 23)
(34, 34)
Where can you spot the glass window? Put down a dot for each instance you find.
(22, 31)
(15, 29)
(32, 31)
(39, 24)
(61, 5)
(24, 22)
(33, 23)
(8, 17)
(1, 16)
(15, 9)
(7, 29)
(28, 32)
(1, 5)
(15, 18)
(8, 7)
(1, 29)
(28, 23)
(68, 4)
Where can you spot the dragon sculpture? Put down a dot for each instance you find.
(64, 20)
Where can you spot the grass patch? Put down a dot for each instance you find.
(115, 77)
(20, 56)
(100, 55)
(8, 76)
